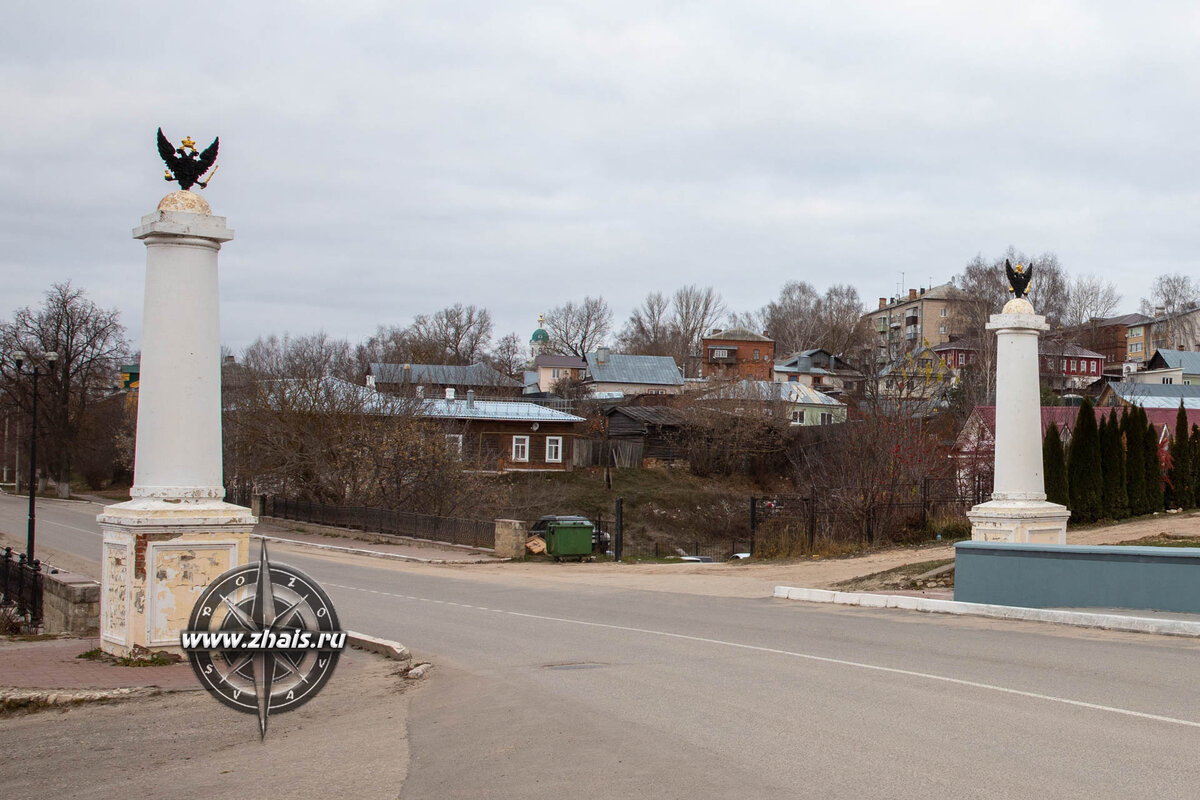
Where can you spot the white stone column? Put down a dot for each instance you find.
(1018, 511)
(165, 545)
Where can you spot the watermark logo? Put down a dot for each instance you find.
(263, 638)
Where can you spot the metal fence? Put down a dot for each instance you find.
(387, 521)
(717, 551)
(21, 583)
(787, 524)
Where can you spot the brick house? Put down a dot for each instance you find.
(737, 354)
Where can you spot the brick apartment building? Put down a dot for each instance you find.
(737, 354)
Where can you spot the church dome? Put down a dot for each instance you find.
(539, 337)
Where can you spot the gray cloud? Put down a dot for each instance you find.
(383, 160)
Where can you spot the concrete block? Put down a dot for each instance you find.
(373, 644)
(510, 538)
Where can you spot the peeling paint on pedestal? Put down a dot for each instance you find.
(181, 572)
(114, 624)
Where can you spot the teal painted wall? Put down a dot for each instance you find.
(1058, 576)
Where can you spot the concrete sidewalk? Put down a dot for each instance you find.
(378, 545)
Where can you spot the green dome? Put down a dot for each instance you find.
(539, 337)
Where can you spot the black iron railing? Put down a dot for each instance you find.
(387, 521)
(21, 585)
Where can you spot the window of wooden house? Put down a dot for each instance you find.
(554, 449)
(798, 416)
(520, 448)
(826, 418)
(454, 443)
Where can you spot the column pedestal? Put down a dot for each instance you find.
(1018, 511)
(163, 547)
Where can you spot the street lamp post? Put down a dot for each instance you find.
(30, 537)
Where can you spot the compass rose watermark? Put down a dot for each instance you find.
(263, 638)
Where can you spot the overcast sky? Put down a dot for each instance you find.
(385, 159)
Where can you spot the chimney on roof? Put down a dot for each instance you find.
(883, 302)
(601, 355)
(766, 334)
(1160, 311)
(449, 392)
(470, 398)
(912, 294)
(714, 331)
(922, 290)
(407, 372)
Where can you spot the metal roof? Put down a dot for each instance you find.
(554, 360)
(653, 415)
(769, 391)
(738, 335)
(620, 368)
(494, 410)
(1127, 320)
(444, 374)
(1068, 349)
(1157, 395)
(1175, 359)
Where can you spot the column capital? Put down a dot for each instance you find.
(1017, 323)
(183, 223)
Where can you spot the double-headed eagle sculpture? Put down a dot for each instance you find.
(1018, 279)
(185, 164)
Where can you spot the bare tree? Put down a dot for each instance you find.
(576, 329)
(801, 319)
(840, 324)
(461, 333)
(649, 330)
(90, 342)
(508, 356)
(292, 427)
(694, 311)
(1090, 301)
(1173, 298)
(674, 327)
(791, 319)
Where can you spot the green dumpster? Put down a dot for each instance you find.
(569, 540)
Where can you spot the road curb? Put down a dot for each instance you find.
(375, 553)
(384, 647)
(18, 699)
(1084, 619)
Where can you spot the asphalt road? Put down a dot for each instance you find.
(589, 691)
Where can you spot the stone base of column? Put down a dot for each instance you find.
(159, 556)
(1019, 522)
